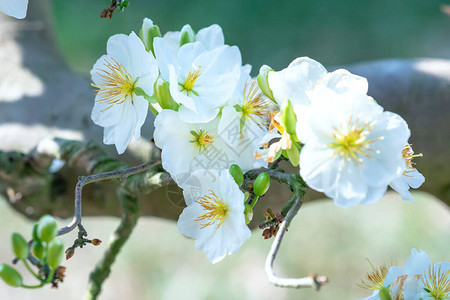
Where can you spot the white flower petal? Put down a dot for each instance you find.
(14, 8)
(211, 37)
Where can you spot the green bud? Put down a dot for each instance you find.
(19, 245)
(293, 154)
(55, 253)
(248, 212)
(10, 276)
(148, 33)
(263, 81)
(236, 172)
(187, 35)
(38, 250)
(125, 3)
(162, 93)
(261, 184)
(288, 118)
(47, 228)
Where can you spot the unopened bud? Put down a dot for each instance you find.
(267, 233)
(47, 228)
(19, 245)
(96, 242)
(236, 173)
(55, 253)
(187, 35)
(38, 250)
(69, 253)
(261, 184)
(263, 81)
(10, 276)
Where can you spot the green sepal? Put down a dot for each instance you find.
(236, 173)
(55, 253)
(288, 118)
(10, 276)
(261, 184)
(263, 81)
(384, 293)
(241, 124)
(47, 228)
(426, 290)
(248, 213)
(246, 195)
(162, 93)
(238, 107)
(19, 246)
(293, 155)
(140, 92)
(187, 35)
(152, 33)
(38, 250)
(277, 156)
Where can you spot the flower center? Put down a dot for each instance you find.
(216, 210)
(201, 139)
(188, 85)
(256, 106)
(374, 280)
(117, 84)
(351, 142)
(437, 283)
(408, 155)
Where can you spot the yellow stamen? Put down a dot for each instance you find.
(216, 210)
(437, 283)
(117, 84)
(274, 123)
(374, 280)
(201, 139)
(257, 106)
(188, 85)
(408, 155)
(352, 142)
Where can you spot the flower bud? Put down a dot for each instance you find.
(96, 242)
(162, 93)
(261, 184)
(19, 245)
(148, 33)
(69, 253)
(248, 213)
(47, 229)
(263, 81)
(55, 253)
(10, 276)
(187, 35)
(288, 118)
(236, 172)
(38, 250)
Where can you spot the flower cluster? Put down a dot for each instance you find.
(210, 115)
(418, 279)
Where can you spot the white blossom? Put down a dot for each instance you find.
(214, 215)
(14, 8)
(187, 147)
(121, 77)
(354, 148)
(200, 80)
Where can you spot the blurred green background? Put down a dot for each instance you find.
(268, 31)
(158, 262)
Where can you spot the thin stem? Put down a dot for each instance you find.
(255, 200)
(84, 180)
(310, 281)
(27, 266)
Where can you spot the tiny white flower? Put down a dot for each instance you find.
(14, 8)
(200, 80)
(353, 150)
(187, 147)
(214, 215)
(410, 177)
(126, 68)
